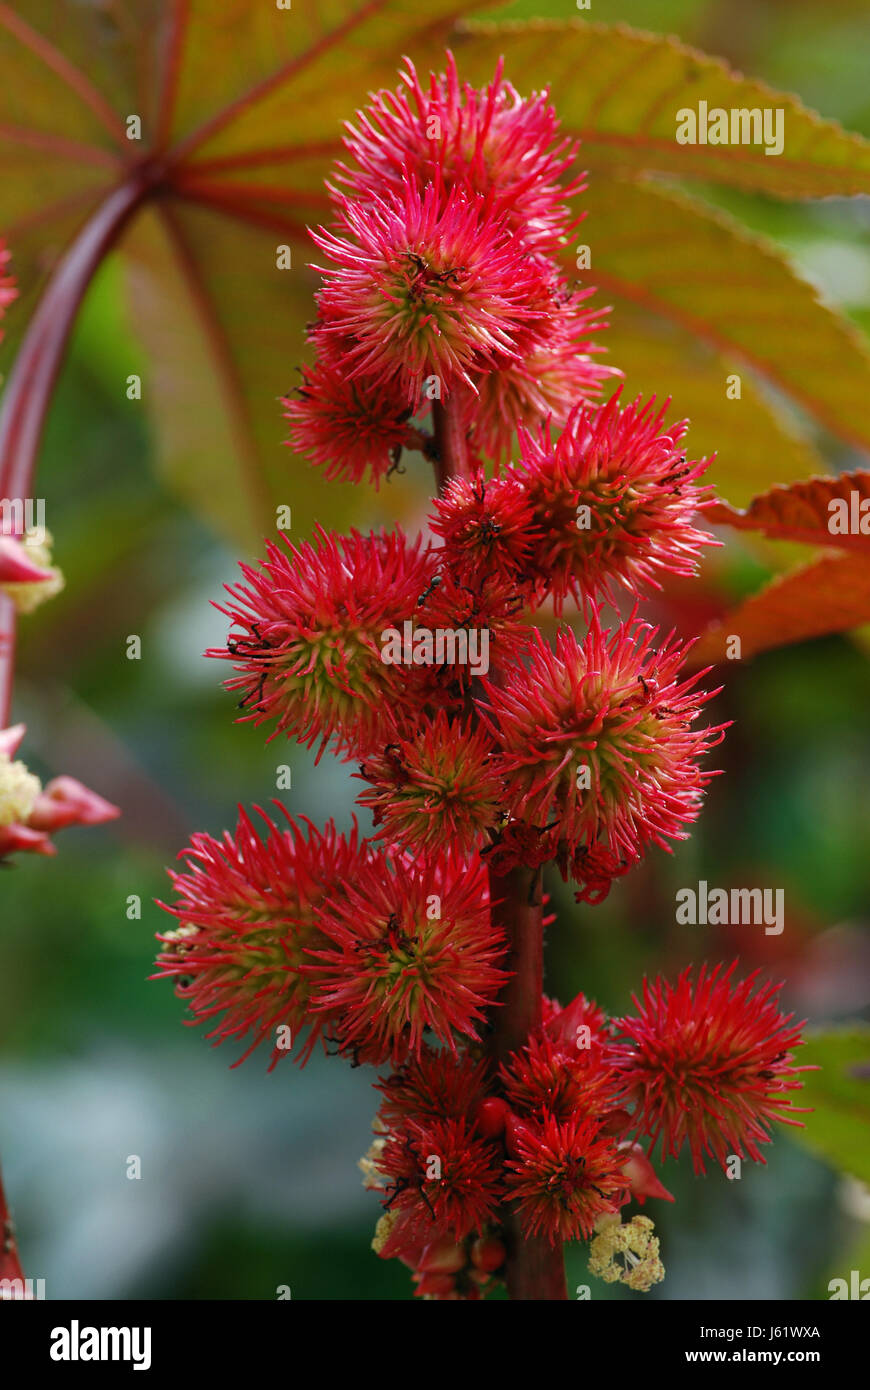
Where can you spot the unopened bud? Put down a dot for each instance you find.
(642, 1177)
(65, 801)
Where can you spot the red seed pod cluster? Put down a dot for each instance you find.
(446, 324)
(461, 1148)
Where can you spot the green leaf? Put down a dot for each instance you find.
(619, 90)
(839, 1128)
(697, 299)
(752, 440)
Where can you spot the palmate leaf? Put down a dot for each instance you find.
(619, 90)
(750, 440)
(241, 108)
(695, 299)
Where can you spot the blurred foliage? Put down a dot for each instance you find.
(221, 1150)
(840, 1096)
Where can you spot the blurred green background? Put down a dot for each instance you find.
(249, 1181)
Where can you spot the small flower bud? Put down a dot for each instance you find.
(488, 1254)
(442, 1257)
(39, 579)
(17, 566)
(491, 1116)
(642, 1177)
(65, 801)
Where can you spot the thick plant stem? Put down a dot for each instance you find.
(28, 392)
(518, 910)
(451, 445)
(535, 1269)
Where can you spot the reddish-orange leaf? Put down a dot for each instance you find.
(821, 511)
(830, 594)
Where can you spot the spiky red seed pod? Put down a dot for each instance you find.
(709, 1064)
(248, 905)
(559, 371)
(488, 528)
(443, 1176)
(309, 647)
(411, 949)
(612, 712)
(547, 1077)
(351, 428)
(591, 866)
(564, 1177)
(488, 612)
(489, 141)
(435, 1085)
(437, 787)
(518, 843)
(617, 495)
(424, 286)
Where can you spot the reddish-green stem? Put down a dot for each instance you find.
(451, 443)
(10, 1265)
(518, 910)
(535, 1269)
(28, 392)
